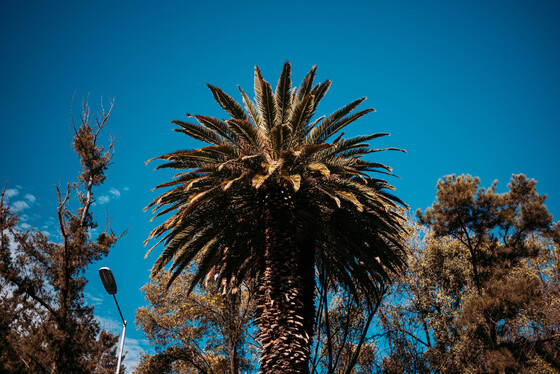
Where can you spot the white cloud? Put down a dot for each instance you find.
(113, 194)
(11, 192)
(25, 226)
(20, 205)
(109, 324)
(133, 349)
(30, 198)
(126, 188)
(93, 300)
(103, 199)
(116, 193)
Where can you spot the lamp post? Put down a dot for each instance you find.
(111, 288)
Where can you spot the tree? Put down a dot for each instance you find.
(345, 342)
(271, 199)
(482, 292)
(203, 332)
(45, 325)
(208, 331)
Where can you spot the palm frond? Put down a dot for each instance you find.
(216, 125)
(341, 145)
(200, 246)
(302, 113)
(265, 102)
(279, 136)
(306, 85)
(232, 107)
(180, 180)
(340, 124)
(251, 108)
(295, 181)
(319, 167)
(319, 91)
(244, 129)
(282, 95)
(198, 132)
(273, 144)
(318, 131)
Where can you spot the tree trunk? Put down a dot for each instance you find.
(285, 310)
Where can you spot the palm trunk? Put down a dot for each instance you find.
(285, 311)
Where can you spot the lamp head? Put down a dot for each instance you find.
(108, 280)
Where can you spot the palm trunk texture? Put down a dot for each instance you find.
(285, 309)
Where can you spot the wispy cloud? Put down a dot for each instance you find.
(134, 349)
(20, 205)
(30, 198)
(93, 233)
(104, 199)
(93, 300)
(113, 194)
(116, 193)
(11, 192)
(109, 324)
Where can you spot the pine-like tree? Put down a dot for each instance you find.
(482, 292)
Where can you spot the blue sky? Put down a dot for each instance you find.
(464, 86)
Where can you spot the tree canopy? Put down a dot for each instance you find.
(276, 194)
(205, 331)
(482, 293)
(45, 324)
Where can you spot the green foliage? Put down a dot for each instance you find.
(45, 325)
(208, 331)
(482, 291)
(344, 340)
(202, 332)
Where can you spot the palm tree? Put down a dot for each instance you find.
(271, 199)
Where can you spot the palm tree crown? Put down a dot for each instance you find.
(272, 197)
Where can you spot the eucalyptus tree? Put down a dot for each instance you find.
(273, 197)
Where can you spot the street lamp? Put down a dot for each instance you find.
(111, 288)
